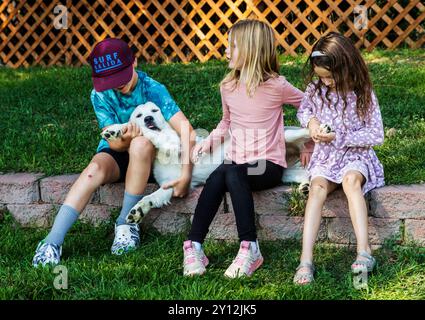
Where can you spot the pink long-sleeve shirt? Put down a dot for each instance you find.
(255, 124)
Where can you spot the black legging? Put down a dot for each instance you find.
(235, 179)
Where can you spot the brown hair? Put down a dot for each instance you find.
(348, 69)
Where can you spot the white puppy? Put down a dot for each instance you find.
(295, 138)
(167, 165)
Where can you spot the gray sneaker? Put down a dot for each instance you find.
(127, 238)
(47, 253)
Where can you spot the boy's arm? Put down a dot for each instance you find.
(129, 131)
(119, 145)
(158, 94)
(184, 129)
(106, 118)
(187, 135)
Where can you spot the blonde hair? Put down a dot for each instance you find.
(257, 59)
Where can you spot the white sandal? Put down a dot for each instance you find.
(304, 277)
(362, 265)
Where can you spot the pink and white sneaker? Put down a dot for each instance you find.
(246, 262)
(194, 261)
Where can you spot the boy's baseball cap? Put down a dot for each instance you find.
(111, 61)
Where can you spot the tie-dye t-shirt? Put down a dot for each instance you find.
(112, 107)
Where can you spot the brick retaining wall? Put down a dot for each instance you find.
(396, 212)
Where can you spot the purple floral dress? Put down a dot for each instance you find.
(352, 147)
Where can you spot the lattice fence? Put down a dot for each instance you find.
(169, 30)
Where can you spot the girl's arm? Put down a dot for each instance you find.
(370, 135)
(306, 110)
(215, 137)
(291, 95)
(306, 116)
(306, 152)
(295, 97)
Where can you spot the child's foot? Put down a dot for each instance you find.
(127, 238)
(194, 261)
(246, 262)
(304, 274)
(47, 253)
(364, 263)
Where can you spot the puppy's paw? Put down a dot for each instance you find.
(112, 133)
(134, 216)
(137, 213)
(304, 188)
(326, 128)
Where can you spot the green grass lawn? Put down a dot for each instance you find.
(48, 124)
(154, 271)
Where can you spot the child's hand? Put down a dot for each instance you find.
(305, 158)
(180, 186)
(314, 129)
(130, 131)
(325, 133)
(306, 153)
(197, 152)
(326, 137)
(314, 135)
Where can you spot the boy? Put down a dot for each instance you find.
(118, 90)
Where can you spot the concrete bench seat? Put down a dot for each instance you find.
(396, 212)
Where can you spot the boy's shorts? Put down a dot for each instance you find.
(122, 159)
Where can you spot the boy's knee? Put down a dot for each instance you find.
(94, 171)
(141, 147)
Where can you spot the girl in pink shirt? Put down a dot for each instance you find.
(252, 97)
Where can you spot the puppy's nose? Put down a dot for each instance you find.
(148, 119)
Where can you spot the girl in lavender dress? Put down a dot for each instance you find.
(342, 114)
